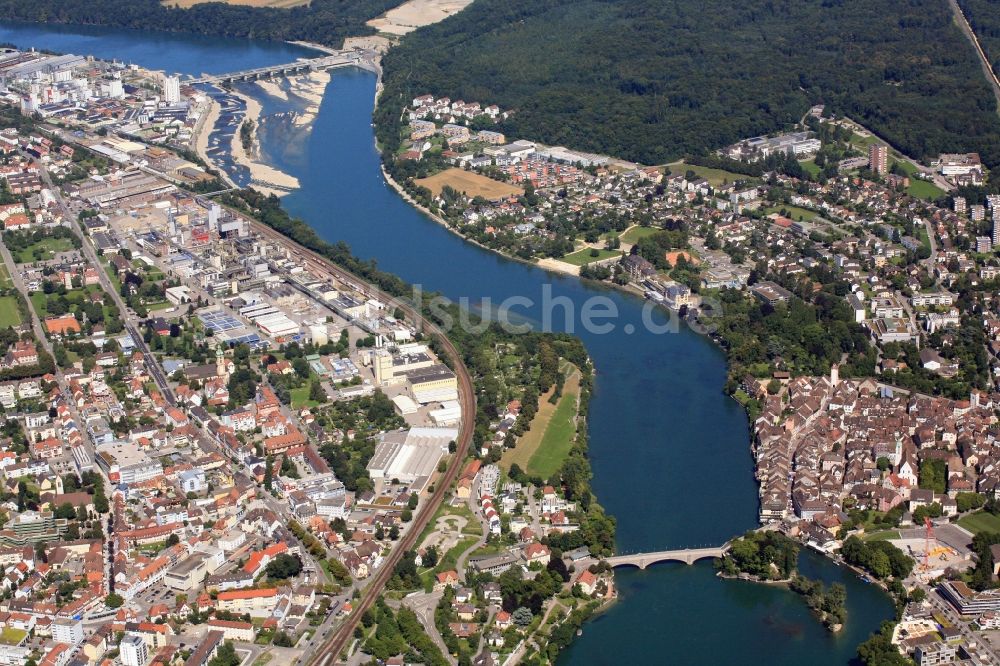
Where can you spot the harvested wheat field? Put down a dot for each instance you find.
(469, 183)
(415, 14)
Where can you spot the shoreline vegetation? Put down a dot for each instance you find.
(552, 265)
(269, 211)
(597, 529)
(818, 597)
(826, 604)
(325, 22)
(770, 557)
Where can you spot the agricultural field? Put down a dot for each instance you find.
(541, 450)
(414, 14)
(469, 183)
(558, 439)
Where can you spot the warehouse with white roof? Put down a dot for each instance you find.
(409, 457)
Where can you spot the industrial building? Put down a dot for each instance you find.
(436, 383)
(410, 457)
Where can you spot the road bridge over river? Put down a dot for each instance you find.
(685, 555)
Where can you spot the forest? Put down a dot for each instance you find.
(323, 21)
(654, 80)
(984, 17)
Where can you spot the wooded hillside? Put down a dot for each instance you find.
(651, 80)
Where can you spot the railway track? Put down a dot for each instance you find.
(327, 652)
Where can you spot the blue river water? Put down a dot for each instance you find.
(670, 450)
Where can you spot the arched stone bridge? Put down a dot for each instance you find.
(685, 555)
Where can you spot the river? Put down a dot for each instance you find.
(670, 450)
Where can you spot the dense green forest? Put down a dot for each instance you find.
(651, 80)
(323, 21)
(984, 17)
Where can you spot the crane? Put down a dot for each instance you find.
(928, 537)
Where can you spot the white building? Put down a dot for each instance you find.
(171, 89)
(67, 630)
(133, 651)
(192, 480)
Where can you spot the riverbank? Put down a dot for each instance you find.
(264, 177)
(546, 263)
(367, 217)
(311, 88)
(205, 128)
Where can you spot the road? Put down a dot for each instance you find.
(36, 324)
(129, 320)
(952, 615)
(332, 646)
(328, 651)
(933, 175)
(424, 605)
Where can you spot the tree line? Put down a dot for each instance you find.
(322, 21)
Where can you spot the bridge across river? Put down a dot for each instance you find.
(685, 555)
(332, 61)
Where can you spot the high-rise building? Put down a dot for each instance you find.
(133, 650)
(171, 89)
(996, 228)
(959, 204)
(878, 159)
(214, 215)
(67, 630)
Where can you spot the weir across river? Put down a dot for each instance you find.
(339, 59)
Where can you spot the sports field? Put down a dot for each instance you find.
(469, 183)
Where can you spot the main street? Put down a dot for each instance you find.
(130, 321)
(952, 615)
